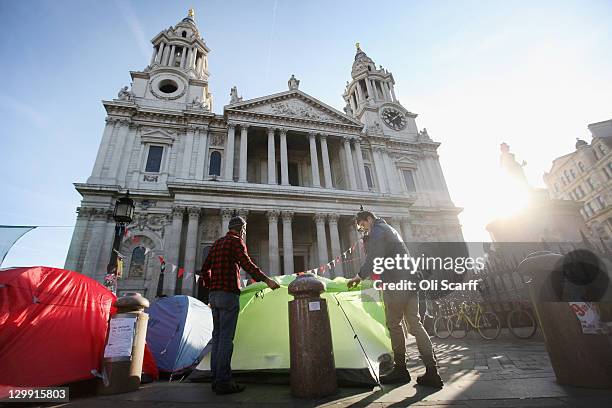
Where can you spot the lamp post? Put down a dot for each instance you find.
(122, 214)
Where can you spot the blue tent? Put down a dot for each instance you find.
(179, 330)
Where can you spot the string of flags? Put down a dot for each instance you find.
(340, 259)
(110, 279)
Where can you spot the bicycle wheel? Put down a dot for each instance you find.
(441, 327)
(458, 326)
(522, 324)
(488, 325)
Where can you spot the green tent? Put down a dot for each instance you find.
(261, 345)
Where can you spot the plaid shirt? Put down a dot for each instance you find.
(221, 270)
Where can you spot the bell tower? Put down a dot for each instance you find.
(370, 98)
(178, 70)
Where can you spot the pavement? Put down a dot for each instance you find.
(506, 372)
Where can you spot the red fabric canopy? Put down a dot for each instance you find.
(53, 325)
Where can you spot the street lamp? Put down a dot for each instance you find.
(122, 214)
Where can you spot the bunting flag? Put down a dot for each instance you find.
(181, 272)
(127, 234)
(173, 268)
(147, 250)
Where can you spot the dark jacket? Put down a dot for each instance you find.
(384, 242)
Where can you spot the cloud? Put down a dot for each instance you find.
(128, 15)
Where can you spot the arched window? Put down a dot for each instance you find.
(214, 169)
(137, 262)
(184, 34)
(368, 174)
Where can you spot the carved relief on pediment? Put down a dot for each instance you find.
(294, 108)
(217, 139)
(425, 233)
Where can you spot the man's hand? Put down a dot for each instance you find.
(272, 284)
(353, 282)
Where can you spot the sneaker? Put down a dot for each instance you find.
(431, 378)
(399, 375)
(228, 388)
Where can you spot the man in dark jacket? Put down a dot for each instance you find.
(221, 276)
(385, 242)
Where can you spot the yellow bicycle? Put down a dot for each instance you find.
(473, 317)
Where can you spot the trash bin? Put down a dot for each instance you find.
(578, 359)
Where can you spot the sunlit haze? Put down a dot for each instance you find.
(531, 74)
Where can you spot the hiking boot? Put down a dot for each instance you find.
(431, 378)
(399, 375)
(228, 388)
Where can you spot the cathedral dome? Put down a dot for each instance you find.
(580, 143)
(362, 62)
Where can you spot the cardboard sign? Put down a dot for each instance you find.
(120, 338)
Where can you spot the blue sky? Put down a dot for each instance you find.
(533, 74)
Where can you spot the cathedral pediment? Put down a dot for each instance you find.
(157, 136)
(293, 104)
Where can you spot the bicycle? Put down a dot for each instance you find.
(441, 322)
(472, 316)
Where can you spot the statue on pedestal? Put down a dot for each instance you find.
(511, 166)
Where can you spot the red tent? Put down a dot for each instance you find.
(53, 325)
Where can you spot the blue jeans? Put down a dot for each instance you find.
(225, 307)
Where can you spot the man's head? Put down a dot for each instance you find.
(365, 220)
(237, 224)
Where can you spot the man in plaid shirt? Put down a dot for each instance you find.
(221, 275)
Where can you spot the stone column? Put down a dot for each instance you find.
(349, 164)
(287, 242)
(385, 88)
(160, 52)
(273, 253)
(202, 134)
(392, 92)
(407, 229)
(226, 215)
(360, 97)
(334, 236)
(98, 218)
(396, 224)
(127, 154)
(271, 157)
(440, 175)
(172, 246)
(284, 159)
(183, 56)
(190, 251)
(96, 173)
(321, 238)
(194, 52)
(166, 55)
(374, 90)
(314, 161)
(369, 88)
(392, 173)
(326, 166)
(187, 150)
(229, 152)
(362, 174)
(242, 170)
(78, 235)
(380, 170)
(172, 55)
(118, 154)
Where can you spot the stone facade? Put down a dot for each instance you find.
(585, 176)
(296, 168)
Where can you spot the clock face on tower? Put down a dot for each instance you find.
(393, 118)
